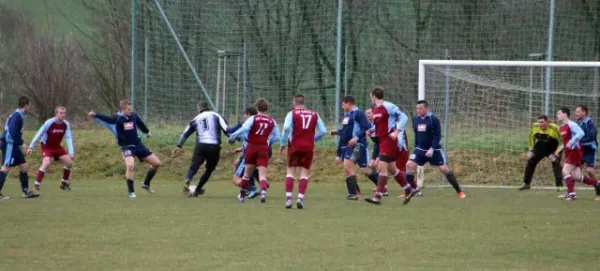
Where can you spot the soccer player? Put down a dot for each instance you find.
(12, 154)
(261, 131)
(299, 130)
(51, 134)
(353, 145)
(427, 148)
(124, 124)
(589, 141)
(375, 155)
(208, 126)
(389, 123)
(240, 165)
(544, 141)
(571, 135)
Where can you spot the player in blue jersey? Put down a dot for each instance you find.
(11, 143)
(124, 124)
(353, 145)
(427, 148)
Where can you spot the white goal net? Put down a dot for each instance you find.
(486, 109)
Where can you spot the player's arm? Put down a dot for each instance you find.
(576, 134)
(401, 127)
(246, 126)
(222, 124)
(436, 132)
(321, 129)
(109, 122)
(14, 125)
(140, 124)
(286, 130)
(532, 136)
(39, 133)
(363, 124)
(414, 124)
(189, 130)
(231, 130)
(69, 139)
(589, 139)
(275, 135)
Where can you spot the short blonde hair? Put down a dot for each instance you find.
(58, 108)
(124, 103)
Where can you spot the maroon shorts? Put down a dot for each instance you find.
(257, 155)
(299, 158)
(55, 153)
(574, 157)
(388, 148)
(402, 159)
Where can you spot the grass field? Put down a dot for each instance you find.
(96, 227)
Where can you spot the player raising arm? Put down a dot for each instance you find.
(11, 143)
(571, 134)
(51, 134)
(208, 126)
(124, 125)
(353, 145)
(389, 123)
(427, 146)
(299, 131)
(544, 141)
(261, 131)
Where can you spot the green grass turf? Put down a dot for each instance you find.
(96, 227)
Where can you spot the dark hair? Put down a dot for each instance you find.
(299, 99)
(423, 102)
(584, 108)
(262, 105)
(543, 117)
(251, 111)
(348, 99)
(23, 101)
(202, 105)
(565, 110)
(377, 92)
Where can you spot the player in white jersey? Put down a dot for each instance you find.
(208, 126)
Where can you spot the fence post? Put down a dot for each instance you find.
(338, 64)
(549, 56)
(133, 49)
(146, 61)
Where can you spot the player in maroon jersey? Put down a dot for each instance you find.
(299, 130)
(389, 122)
(51, 135)
(571, 134)
(260, 131)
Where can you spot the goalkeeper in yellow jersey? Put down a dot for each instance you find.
(544, 141)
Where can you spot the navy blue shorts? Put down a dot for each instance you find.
(140, 151)
(437, 159)
(240, 167)
(589, 157)
(358, 154)
(375, 154)
(12, 155)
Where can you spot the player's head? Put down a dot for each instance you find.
(369, 113)
(60, 112)
(348, 103)
(262, 106)
(125, 107)
(581, 112)
(563, 114)
(542, 122)
(376, 94)
(202, 106)
(250, 111)
(422, 108)
(23, 103)
(298, 100)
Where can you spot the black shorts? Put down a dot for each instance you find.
(139, 151)
(210, 153)
(12, 155)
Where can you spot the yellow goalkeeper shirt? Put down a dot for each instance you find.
(546, 141)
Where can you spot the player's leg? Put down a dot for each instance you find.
(197, 161)
(18, 159)
(129, 172)
(589, 160)
(438, 159)
(382, 178)
(213, 154)
(238, 172)
(567, 169)
(4, 168)
(46, 161)
(557, 170)
(65, 183)
(303, 185)
(289, 183)
(530, 169)
(351, 181)
(248, 169)
(262, 162)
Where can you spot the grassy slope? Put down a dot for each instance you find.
(96, 227)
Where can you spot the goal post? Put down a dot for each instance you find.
(486, 109)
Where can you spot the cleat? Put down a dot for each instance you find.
(30, 195)
(241, 198)
(351, 197)
(288, 204)
(253, 193)
(385, 194)
(36, 187)
(562, 196)
(300, 204)
(197, 192)
(66, 186)
(373, 200)
(524, 187)
(132, 195)
(147, 188)
(461, 195)
(409, 196)
(263, 197)
(570, 197)
(2, 197)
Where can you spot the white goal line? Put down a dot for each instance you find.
(502, 187)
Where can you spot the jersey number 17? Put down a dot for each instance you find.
(305, 121)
